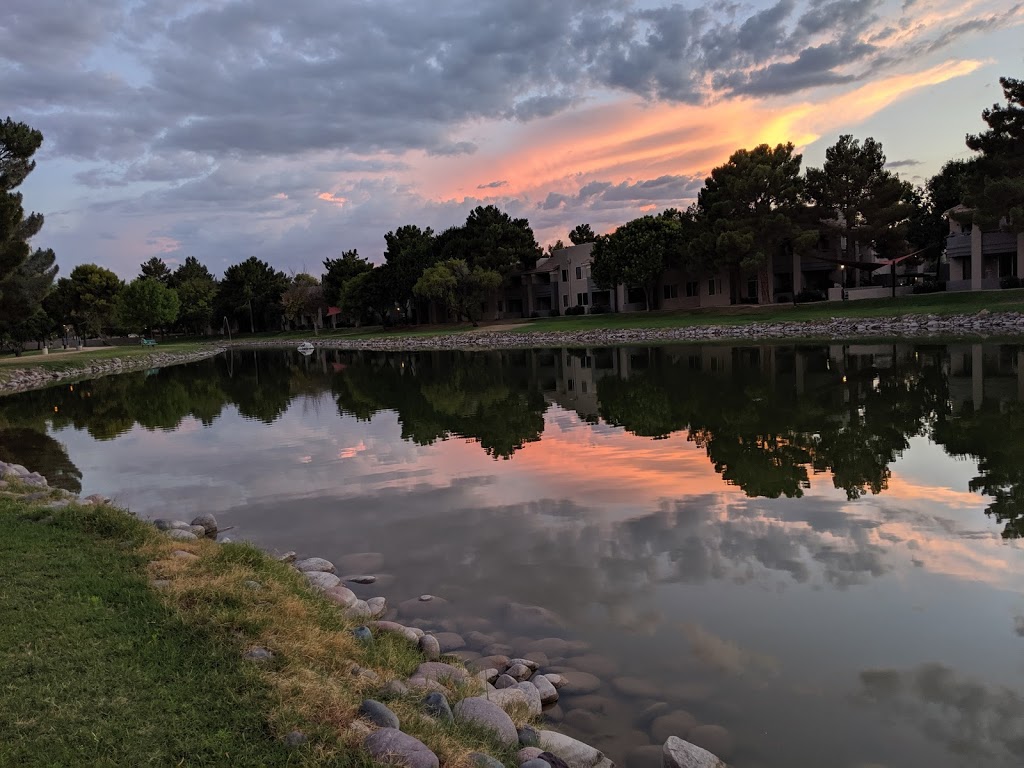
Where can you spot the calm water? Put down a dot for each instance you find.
(813, 547)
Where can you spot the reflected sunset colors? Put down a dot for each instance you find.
(813, 547)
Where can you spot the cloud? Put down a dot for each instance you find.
(493, 185)
(908, 163)
(726, 656)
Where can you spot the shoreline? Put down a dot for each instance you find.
(424, 702)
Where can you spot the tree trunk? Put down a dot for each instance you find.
(252, 323)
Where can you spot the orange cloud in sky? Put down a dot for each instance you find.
(633, 140)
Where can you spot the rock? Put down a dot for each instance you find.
(322, 580)
(713, 738)
(450, 641)
(555, 714)
(181, 535)
(595, 664)
(575, 753)
(519, 672)
(480, 760)
(637, 687)
(436, 705)
(675, 724)
(391, 746)
(528, 753)
(504, 681)
(369, 674)
(312, 564)
(209, 523)
(519, 614)
(528, 736)
(426, 598)
(417, 609)
(553, 761)
(418, 681)
(430, 647)
(395, 628)
(395, 688)
(181, 554)
(535, 763)
(358, 610)
(341, 595)
(479, 639)
(583, 720)
(287, 557)
(377, 605)
(652, 713)
(378, 714)
(361, 562)
(579, 683)
(360, 579)
(198, 530)
(486, 662)
(171, 525)
(363, 634)
(682, 754)
(436, 670)
(296, 739)
(649, 756)
(259, 655)
(487, 714)
(592, 702)
(465, 656)
(160, 583)
(514, 695)
(548, 694)
(555, 679)
(532, 696)
(533, 666)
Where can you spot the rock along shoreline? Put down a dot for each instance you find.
(498, 685)
(25, 379)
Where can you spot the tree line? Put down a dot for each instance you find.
(754, 208)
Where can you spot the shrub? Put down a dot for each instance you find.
(534, 315)
(1010, 282)
(600, 309)
(808, 296)
(932, 286)
(575, 310)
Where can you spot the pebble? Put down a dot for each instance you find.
(377, 605)
(636, 687)
(430, 647)
(258, 654)
(363, 634)
(579, 683)
(583, 720)
(395, 688)
(436, 670)
(343, 596)
(548, 693)
(519, 672)
(487, 714)
(209, 523)
(378, 714)
(315, 564)
(296, 739)
(181, 535)
(360, 579)
(181, 554)
(322, 580)
(394, 628)
(287, 557)
(504, 681)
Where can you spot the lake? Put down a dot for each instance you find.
(813, 548)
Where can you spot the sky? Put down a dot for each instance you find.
(224, 129)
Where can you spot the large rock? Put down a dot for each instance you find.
(552, 646)
(436, 670)
(579, 683)
(637, 687)
(548, 693)
(391, 746)
(430, 647)
(519, 672)
(436, 705)
(171, 525)
(595, 664)
(450, 641)
(378, 714)
(315, 564)
(322, 580)
(682, 754)
(517, 695)
(394, 628)
(209, 523)
(377, 605)
(677, 724)
(575, 753)
(341, 595)
(520, 615)
(533, 697)
(487, 714)
(181, 535)
(361, 562)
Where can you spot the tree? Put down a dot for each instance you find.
(409, 251)
(146, 303)
(18, 142)
(305, 296)
(858, 199)
(197, 291)
(337, 272)
(87, 299)
(582, 233)
(155, 269)
(192, 269)
(22, 317)
(558, 245)
(458, 287)
(997, 193)
(751, 206)
(368, 294)
(493, 240)
(942, 192)
(252, 290)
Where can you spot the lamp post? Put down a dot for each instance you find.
(842, 268)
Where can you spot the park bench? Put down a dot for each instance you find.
(149, 342)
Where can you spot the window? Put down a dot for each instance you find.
(692, 289)
(582, 299)
(565, 300)
(569, 385)
(579, 273)
(752, 287)
(586, 362)
(583, 387)
(671, 291)
(565, 275)
(636, 296)
(711, 287)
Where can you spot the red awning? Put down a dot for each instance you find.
(331, 311)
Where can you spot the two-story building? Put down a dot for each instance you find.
(978, 260)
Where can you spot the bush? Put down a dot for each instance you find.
(1010, 282)
(534, 315)
(600, 309)
(932, 286)
(575, 310)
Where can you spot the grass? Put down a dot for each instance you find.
(100, 668)
(81, 361)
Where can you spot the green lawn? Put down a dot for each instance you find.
(96, 671)
(74, 360)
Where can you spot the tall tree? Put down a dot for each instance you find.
(636, 254)
(751, 206)
(305, 296)
(191, 269)
(22, 317)
(251, 291)
(941, 193)
(558, 245)
(582, 233)
(409, 251)
(197, 291)
(146, 303)
(457, 286)
(18, 142)
(493, 240)
(339, 271)
(998, 193)
(155, 269)
(857, 198)
(368, 295)
(87, 299)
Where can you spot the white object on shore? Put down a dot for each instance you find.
(306, 348)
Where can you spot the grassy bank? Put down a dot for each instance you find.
(102, 667)
(74, 360)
